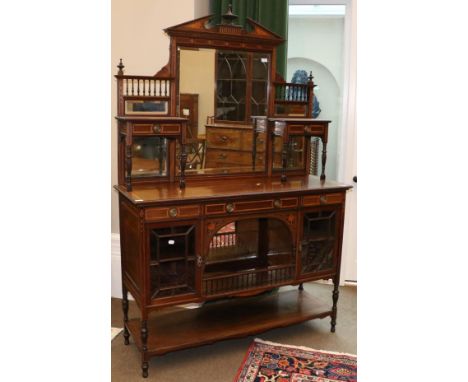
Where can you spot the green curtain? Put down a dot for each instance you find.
(272, 14)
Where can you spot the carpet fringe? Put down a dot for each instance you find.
(303, 348)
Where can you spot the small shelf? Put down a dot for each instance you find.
(227, 319)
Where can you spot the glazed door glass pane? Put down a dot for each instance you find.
(247, 254)
(149, 156)
(296, 153)
(258, 99)
(318, 246)
(172, 262)
(231, 85)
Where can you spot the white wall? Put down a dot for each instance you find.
(316, 44)
(138, 38)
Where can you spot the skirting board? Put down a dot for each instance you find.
(116, 277)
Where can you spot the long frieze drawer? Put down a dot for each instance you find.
(157, 128)
(250, 206)
(163, 213)
(318, 200)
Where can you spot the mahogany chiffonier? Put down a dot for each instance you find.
(249, 219)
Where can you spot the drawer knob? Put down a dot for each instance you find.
(173, 212)
(223, 138)
(229, 207)
(222, 156)
(323, 199)
(199, 261)
(277, 203)
(156, 129)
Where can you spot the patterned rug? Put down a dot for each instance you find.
(271, 362)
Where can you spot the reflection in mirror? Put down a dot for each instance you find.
(296, 153)
(149, 156)
(219, 91)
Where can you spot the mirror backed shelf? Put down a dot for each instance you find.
(218, 77)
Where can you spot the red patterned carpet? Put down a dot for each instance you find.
(271, 362)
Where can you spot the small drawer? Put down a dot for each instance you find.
(223, 138)
(296, 129)
(164, 213)
(324, 199)
(157, 128)
(226, 158)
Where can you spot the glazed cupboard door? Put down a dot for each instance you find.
(173, 260)
(320, 241)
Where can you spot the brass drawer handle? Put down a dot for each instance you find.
(229, 207)
(323, 199)
(156, 129)
(222, 156)
(223, 138)
(173, 212)
(277, 203)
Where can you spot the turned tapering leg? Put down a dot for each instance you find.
(336, 293)
(144, 348)
(125, 314)
(324, 159)
(301, 287)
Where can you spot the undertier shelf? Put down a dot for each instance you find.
(234, 318)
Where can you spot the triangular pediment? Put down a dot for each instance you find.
(204, 27)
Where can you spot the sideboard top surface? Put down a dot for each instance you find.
(226, 188)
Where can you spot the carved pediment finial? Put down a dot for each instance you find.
(120, 66)
(229, 17)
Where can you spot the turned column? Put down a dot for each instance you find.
(144, 348)
(125, 314)
(335, 296)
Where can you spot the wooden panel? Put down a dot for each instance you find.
(256, 205)
(143, 128)
(211, 209)
(296, 129)
(225, 158)
(129, 244)
(163, 213)
(289, 202)
(223, 138)
(314, 129)
(227, 319)
(170, 129)
(325, 199)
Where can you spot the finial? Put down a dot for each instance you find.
(229, 17)
(311, 77)
(120, 66)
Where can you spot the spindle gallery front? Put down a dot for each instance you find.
(221, 204)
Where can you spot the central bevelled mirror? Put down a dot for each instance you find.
(218, 92)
